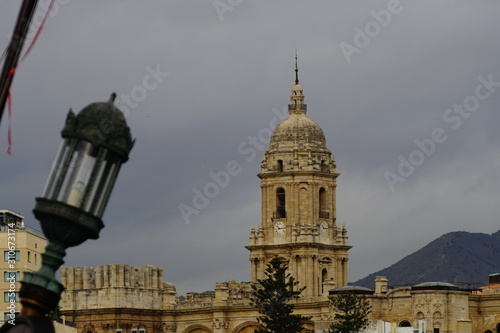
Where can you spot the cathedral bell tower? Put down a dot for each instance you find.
(298, 182)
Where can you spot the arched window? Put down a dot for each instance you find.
(323, 211)
(280, 165)
(405, 323)
(324, 277)
(280, 203)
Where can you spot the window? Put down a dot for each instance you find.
(29, 256)
(134, 330)
(280, 165)
(324, 277)
(323, 212)
(8, 316)
(280, 203)
(7, 296)
(35, 258)
(7, 276)
(11, 255)
(142, 330)
(119, 330)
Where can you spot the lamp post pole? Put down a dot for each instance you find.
(14, 50)
(96, 142)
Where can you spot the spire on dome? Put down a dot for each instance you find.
(297, 104)
(296, 69)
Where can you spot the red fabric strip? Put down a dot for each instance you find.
(13, 70)
(33, 42)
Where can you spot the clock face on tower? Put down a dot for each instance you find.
(279, 228)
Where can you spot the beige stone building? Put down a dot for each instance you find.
(298, 180)
(21, 247)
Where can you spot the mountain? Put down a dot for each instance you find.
(454, 257)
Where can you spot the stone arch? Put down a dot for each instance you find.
(247, 327)
(488, 331)
(197, 328)
(437, 315)
(325, 262)
(420, 315)
(404, 323)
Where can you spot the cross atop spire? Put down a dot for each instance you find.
(296, 69)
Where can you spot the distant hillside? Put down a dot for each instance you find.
(454, 257)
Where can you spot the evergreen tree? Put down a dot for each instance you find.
(272, 296)
(55, 314)
(352, 313)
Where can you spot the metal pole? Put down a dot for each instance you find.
(14, 50)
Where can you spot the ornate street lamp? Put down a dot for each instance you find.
(96, 142)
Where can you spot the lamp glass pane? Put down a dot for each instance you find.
(104, 184)
(55, 172)
(78, 173)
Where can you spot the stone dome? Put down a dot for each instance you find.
(435, 285)
(297, 87)
(298, 131)
(353, 290)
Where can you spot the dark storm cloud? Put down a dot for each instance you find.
(225, 77)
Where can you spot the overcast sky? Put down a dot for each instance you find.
(406, 92)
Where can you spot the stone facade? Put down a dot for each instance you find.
(298, 180)
(123, 304)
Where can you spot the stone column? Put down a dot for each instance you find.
(160, 278)
(105, 276)
(126, 275)
(155, 278)
(344, 271)
(98, 277)
(338, 272)
(260, 268)
(86, 277)
(334, 199)
(316, 277)
(309, 275)
(300, 270)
